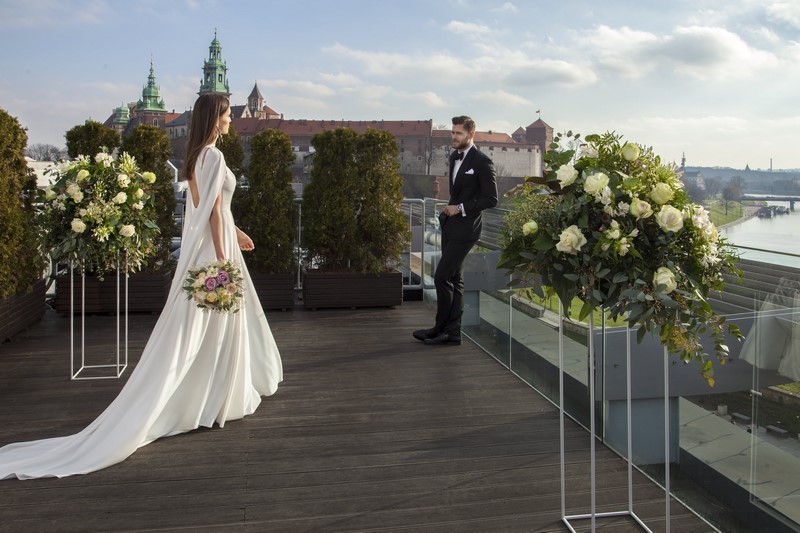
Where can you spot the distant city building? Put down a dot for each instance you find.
(422, 150)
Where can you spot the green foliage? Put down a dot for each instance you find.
(351, 214)
(90, 139)
(231, 147)
(382, 230)
(331, 201)
(21, 262)
(266, 210)
(621, 233)
(151, 148)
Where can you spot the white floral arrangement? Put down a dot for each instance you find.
(615, 228)
(99, 214)
(216, 286)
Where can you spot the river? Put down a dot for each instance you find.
(781, 233)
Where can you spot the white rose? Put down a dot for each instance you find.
(595, 182)
(78, 226)
(77, 197)
(72, 188)
(139, 193)
(120, 198)
(670, 219)
(613, 232)
(588, 150)
(566, 175)
(530, 227)
(49, 194)
(630, 152)
(123, 180)
(138, 205)
(82, 174)
(149, 177)
(664, 276)
(662, 193)
(640, 208)
(127, 230)
(572, 240)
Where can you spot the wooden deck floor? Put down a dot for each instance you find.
(370, 431)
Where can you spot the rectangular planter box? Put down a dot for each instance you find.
(21, 310)
(147, 293)
(275, 291)
(349, 289)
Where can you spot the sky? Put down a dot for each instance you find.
(718, 81)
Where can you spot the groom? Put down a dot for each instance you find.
(472, 189)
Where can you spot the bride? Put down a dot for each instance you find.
(198, 367)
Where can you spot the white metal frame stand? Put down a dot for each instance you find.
(593, 514)
(120, 366)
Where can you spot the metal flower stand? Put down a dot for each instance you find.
(593, 514)
(121, 362)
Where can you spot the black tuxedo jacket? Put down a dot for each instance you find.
(476, 188)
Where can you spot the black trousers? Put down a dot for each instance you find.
(449, 282)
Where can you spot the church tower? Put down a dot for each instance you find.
(151, 95)
(255, 103)
(150, 109)
(215, 71)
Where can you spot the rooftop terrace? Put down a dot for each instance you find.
(370, 431)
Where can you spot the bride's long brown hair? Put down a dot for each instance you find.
(203, 128)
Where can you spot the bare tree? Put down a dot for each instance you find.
(731, 193)
(45, 152)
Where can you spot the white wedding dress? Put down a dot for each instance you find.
(197, 368)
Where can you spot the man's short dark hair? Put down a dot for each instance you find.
(465, 121)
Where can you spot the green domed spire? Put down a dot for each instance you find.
(215, 71)
(122, 115)
(151, 95)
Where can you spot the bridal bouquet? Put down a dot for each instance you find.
(614, 228)
(99, 210)
(215, 287)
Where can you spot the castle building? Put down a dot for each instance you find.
(422, 149)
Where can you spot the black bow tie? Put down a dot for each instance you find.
(458, 156)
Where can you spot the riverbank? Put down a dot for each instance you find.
(749, 211)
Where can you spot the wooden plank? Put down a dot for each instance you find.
(370, 430)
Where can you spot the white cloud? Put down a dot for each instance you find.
(340, 79)
(787, 12)
(501, 97)
(431, 98)
(46, 13)
(307, 89)
(699, 51)
(399, 65)
(508, 7)
(467, 28)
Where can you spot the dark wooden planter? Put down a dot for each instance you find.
(21, 310)
(349, 289)
(147, 293)
(275, 291)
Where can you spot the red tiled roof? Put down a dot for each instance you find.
(539, 123)
(251, 126)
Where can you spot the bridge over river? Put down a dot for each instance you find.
(772, 198)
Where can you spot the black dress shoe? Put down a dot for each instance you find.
(422, 334)
(444, 338)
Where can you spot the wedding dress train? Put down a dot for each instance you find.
(197, 368)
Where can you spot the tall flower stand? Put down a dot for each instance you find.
(593, 514)
(108, 370)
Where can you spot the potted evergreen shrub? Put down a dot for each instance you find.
(354, 231)
(266, 211)
(22, 292)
